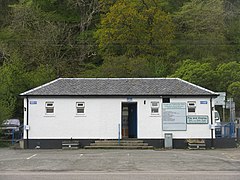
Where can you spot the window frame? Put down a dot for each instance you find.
(191, 106)
(155, 107)
(83, 107)
(47, 107)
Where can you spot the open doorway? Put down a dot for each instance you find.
(129, 120)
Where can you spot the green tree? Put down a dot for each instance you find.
(135, 28)
(122, 66)
(4, 11)
(201, 30)
(172, 5)
(198, 73)
(39, 76)
(15, 79)
(228, 73)
(233, 32)
(4, 21)
(12, 82)
(234, 91)
(53, 32)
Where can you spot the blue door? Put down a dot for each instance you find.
(132, 120)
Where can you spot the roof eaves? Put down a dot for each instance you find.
(124, 95)
(114, 78)
(209, 91)
(34, 89)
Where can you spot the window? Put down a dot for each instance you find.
(80, 106)
(154, 107)
(49, 106)
(166, 100)
(191, 106)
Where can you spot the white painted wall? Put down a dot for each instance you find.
(100, 121)
(150, 126)
(102, 118)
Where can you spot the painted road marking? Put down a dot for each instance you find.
(211, 173)
(80, 155)
(31, 156)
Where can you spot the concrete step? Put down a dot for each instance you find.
(118, 147)
(116, 144)
(116, 141)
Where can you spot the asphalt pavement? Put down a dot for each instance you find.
(119, 164)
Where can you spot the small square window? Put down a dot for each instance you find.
(49, 107)
(191, 106)
(80, 107)
(154, 107)
(166, 100)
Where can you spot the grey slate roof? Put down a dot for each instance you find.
(118, 87)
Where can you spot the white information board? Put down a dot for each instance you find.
(197, 119)
(174, 116)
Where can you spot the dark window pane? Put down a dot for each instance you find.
(49, 110)
(166, 100)
(191, 109)
(154, 110)
(80, 110)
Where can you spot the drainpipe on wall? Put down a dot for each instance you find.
(27, 121)
(211, 110)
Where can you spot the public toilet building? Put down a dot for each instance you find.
(89, 109)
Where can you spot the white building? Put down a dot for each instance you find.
(101, 108)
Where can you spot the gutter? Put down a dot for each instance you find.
(121, 95)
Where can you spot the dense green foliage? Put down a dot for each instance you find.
(196, 40)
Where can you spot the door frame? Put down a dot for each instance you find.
(135, 123)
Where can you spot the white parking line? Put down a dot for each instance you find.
(31, 156)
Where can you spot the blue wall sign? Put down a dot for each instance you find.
(33, 102)
(203, 102)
